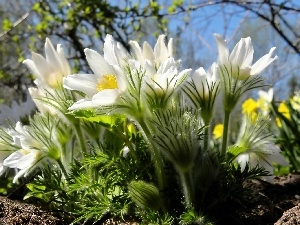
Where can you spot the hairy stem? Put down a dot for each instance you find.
(187, 188)
(225, 132)
(158, 163)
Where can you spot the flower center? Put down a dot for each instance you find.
(25, 151)
(108, 81)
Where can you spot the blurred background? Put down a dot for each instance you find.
(79, 24)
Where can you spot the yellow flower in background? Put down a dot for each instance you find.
(249, 106)
(283, 109)
(279, 124)
(218, 131)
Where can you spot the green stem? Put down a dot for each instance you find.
(63, 169)
(225, 132)
(206, 133)
(80, 137)
(158, 163)
(187, 188)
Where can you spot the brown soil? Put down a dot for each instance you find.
(272, 203)
(13, 212)
(277, 203)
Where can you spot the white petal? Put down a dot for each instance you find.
(121, 79)
(109, 50)
(97, 63)
(106, 97)
(148, 52)
(242, 54)
(64, 63)
(18, 175)
(86, 83)
(243, 159)
(222, 49)
(12, 160)
(170, 47)
(263, 62)
(149, 68)
(29, 160)
(121, 54)
(160, 50)
(44, 68)
(83, 104)
(31, 66)
(137, 51)
(52, 56)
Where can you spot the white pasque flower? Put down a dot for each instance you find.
(166, 79)
(108, 81)
(28, 157)
(258, 147)
(50, 70)
(156, 56)
(204, 83)
(202, 88)
(239, 62)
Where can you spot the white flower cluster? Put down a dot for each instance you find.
(134, 82)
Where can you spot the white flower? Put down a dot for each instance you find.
(24, 160)
(258, 147)
(264, 101)
(49, 71)
(106, 84)
(204, 83)
(166, 79)
(264, 156)
(241, 57)
(156, 56)
(28, 157)
(202, 88)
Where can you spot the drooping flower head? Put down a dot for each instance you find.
(108, 81)
(257, 146)
(239, 62)
(29, 156)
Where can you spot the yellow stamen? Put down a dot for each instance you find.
(24, 151)
(108, 81)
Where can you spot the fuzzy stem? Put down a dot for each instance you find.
(225, 132)
(187, 188)
(206, 133)
(63, 169)
(80, 137)
(155, 154)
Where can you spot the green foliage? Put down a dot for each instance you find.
(6, 185)
(6, 25)
(288, 132)
(50, 188)
(191, 217)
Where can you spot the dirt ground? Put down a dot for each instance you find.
(277, 203)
